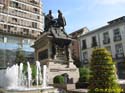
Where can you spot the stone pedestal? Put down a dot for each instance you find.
(56, 68)
(52, 49)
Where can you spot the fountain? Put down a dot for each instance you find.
(29, 71)
(10, 75)
(44, 77)
(14, 79)
(38, 73)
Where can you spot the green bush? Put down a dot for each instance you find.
(59, 79)
(84, 74)
(25, 68)
(33, 67)
(103, 70)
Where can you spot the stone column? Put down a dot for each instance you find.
(49, 49)
(70, 53)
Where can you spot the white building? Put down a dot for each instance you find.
(111, 36)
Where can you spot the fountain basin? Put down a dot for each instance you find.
(33, 90)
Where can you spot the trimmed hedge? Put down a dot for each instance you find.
(59, 79)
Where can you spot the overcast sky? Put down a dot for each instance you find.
(86, 13)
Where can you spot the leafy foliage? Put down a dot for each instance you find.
(59, 79)
(33, 67)
(84, 74)
(104, 78)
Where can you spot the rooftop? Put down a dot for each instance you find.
(110, 23)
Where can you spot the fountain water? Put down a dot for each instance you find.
(29, 72)
(14, 79)
(10, 75)
(44, 76)
(21, 76)
(38, 73)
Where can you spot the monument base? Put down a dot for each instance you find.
(55, 68)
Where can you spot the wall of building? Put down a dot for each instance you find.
(21, 16)
(99, 34)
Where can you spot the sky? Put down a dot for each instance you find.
(86, 13)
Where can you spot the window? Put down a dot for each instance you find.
(106, 38)
(116, 32)
(117, 35)
(34, 25)
(14, 20)
(35, 10)
(119, 50)
(84, 44)
(15, 4)
(12, 40)
(85, 57)
(94, 42)
(105, 35)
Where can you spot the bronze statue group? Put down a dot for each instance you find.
(57, 22)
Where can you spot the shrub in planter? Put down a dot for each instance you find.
(104, 78)
(59, 79)
(84, 74)
(84, 77)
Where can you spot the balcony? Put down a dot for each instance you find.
(31, 2)
(117, 38)
(119, 55)
(24, 7)
(106, 41)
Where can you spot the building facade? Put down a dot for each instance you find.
(75, 43)
(111, 37)
(21, 21)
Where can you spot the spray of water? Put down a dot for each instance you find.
(38, 73)
(29, 72)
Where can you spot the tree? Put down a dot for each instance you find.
(103, 71)
(20, 58)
